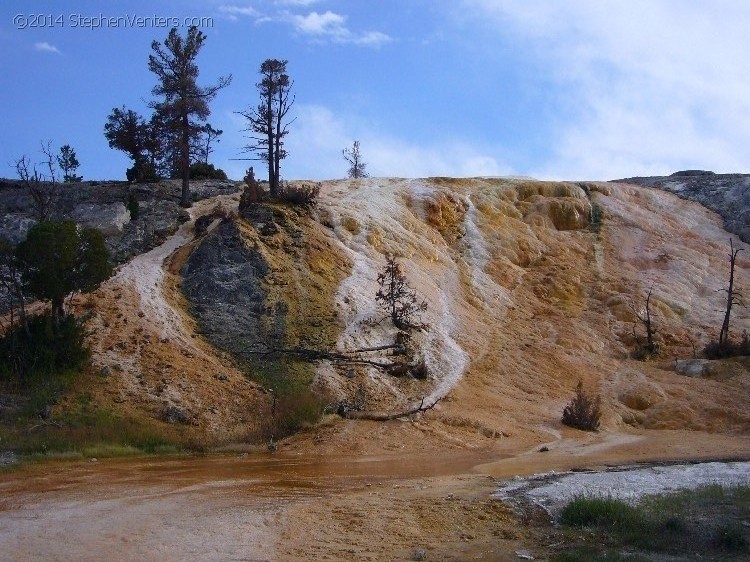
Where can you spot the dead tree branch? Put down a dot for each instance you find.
(382, 416)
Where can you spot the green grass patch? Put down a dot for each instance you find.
(81, 429)
(291, 404)
(710, 521)
(601, 512)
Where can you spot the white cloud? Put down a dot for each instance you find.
(296, 2)
(326, 26)
(330, 25)
(651, 85)
(318, 137)
(45, 47)
(233, 13)
(372, 38)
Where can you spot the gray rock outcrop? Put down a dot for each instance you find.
(726, 194)
(223, 282)
(109, 218)
(102, 205)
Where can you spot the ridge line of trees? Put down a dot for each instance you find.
(176, 139)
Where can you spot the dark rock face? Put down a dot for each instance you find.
(175, 415)
(223, 282)
(157, 219)
(726, 194)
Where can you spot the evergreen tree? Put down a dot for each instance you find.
(398, 298)
(58, 258)
(68, 163)
(126, 130)
(184, 104)
(354, 157)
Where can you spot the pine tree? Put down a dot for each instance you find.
(354, 157)
(184, 104)
(68, 163)
(398, 298)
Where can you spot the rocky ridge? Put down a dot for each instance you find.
(726, 194)
(103, 205)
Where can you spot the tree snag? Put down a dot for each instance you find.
(645, 317)
(382, 416)
(357, 167)
(733, 297)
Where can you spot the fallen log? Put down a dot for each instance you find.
(317, 355)
(382, 416)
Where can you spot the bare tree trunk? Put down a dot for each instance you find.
(272, 185)
(647, 323)
(185, 161)
(731, 296)
(645, 318)
(277, 151)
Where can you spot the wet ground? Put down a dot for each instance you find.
(225, 508)
(298, 505)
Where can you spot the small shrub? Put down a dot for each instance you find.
(204, 171)
(292, 409)
(304, 194)
(583, 412)
(45, 350)
(142, 173)
(132, 205)
(716, 350)
(595, 218)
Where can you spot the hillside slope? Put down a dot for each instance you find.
(525, 297)
(529, 286)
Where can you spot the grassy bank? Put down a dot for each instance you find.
(81, 428)
(709, 523)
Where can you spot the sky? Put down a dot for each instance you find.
(557, 89)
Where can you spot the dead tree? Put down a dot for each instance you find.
(209, 136)
(267, 123)
(646, 319)
(354, 157)
(352, 357)
(383, 416)
(12, 285)
(42, 187)
(398, 298)
(733, 297)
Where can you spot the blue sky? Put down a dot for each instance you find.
(578, 89)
